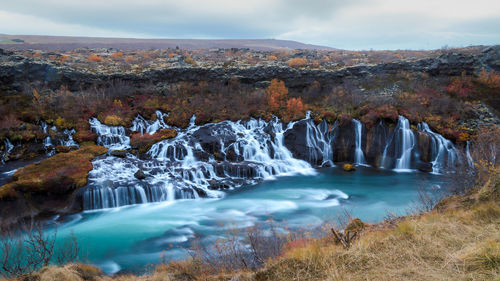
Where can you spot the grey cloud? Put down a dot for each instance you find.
(330, 22)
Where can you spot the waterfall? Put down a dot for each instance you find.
(203, 161)
(8, 146)
(444, 153)
(199, 161)
(68, 138)
(43, 126)
(402, 142)
(319, 143)
(470, 161)
(359, 156)
(142, 125)
(113, 137)
(405, 140)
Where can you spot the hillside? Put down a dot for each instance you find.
(51, 43)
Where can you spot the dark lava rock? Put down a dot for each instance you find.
(119, 153)
(424, 166)
(140, 175)
(295, 140)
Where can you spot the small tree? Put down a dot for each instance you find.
(276, 95)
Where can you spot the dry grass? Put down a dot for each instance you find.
(460, 244)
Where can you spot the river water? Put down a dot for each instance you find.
(132, 237)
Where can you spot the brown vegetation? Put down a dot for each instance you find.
(58, 174)
(297, 62)
(143, 142)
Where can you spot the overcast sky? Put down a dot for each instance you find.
(348, 24)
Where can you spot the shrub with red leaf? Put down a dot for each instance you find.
(460, 87)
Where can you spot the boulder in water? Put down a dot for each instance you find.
(348, 168)
(424, 166)
(119, 153)
(140, 174)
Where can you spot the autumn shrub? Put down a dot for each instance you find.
(460, 87)
(117, 55)
(277, 94)
(297, 62)
(489, 78)
(114, 120)
(295, 109)
(94, 58)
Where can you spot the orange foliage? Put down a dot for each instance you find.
(273, 58)
(491, 78)
(129, 59)
(117, 55)
(94, 58)
(276, 94)
(460, 87)
(37, 55)
(295, 108)
(297, 62)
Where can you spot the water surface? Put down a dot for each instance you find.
(129, 238)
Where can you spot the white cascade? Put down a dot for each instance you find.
(405, 143)
(359, 156)
(113, 137)
(470, 161)
(444, 153)
(319, 143)
(142, 125)
(68, 138)
(184, 167)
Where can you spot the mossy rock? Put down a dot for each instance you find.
(349, 167)
(58, 174)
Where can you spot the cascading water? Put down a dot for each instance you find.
(406, 139)
(319, 142)
(8, 146)
(113, 137)
(470, 161)
(444, 154)
(68, 138)
(359, 156)
(200, 161)
(142, 125)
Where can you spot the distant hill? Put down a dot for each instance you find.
(49, 43)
